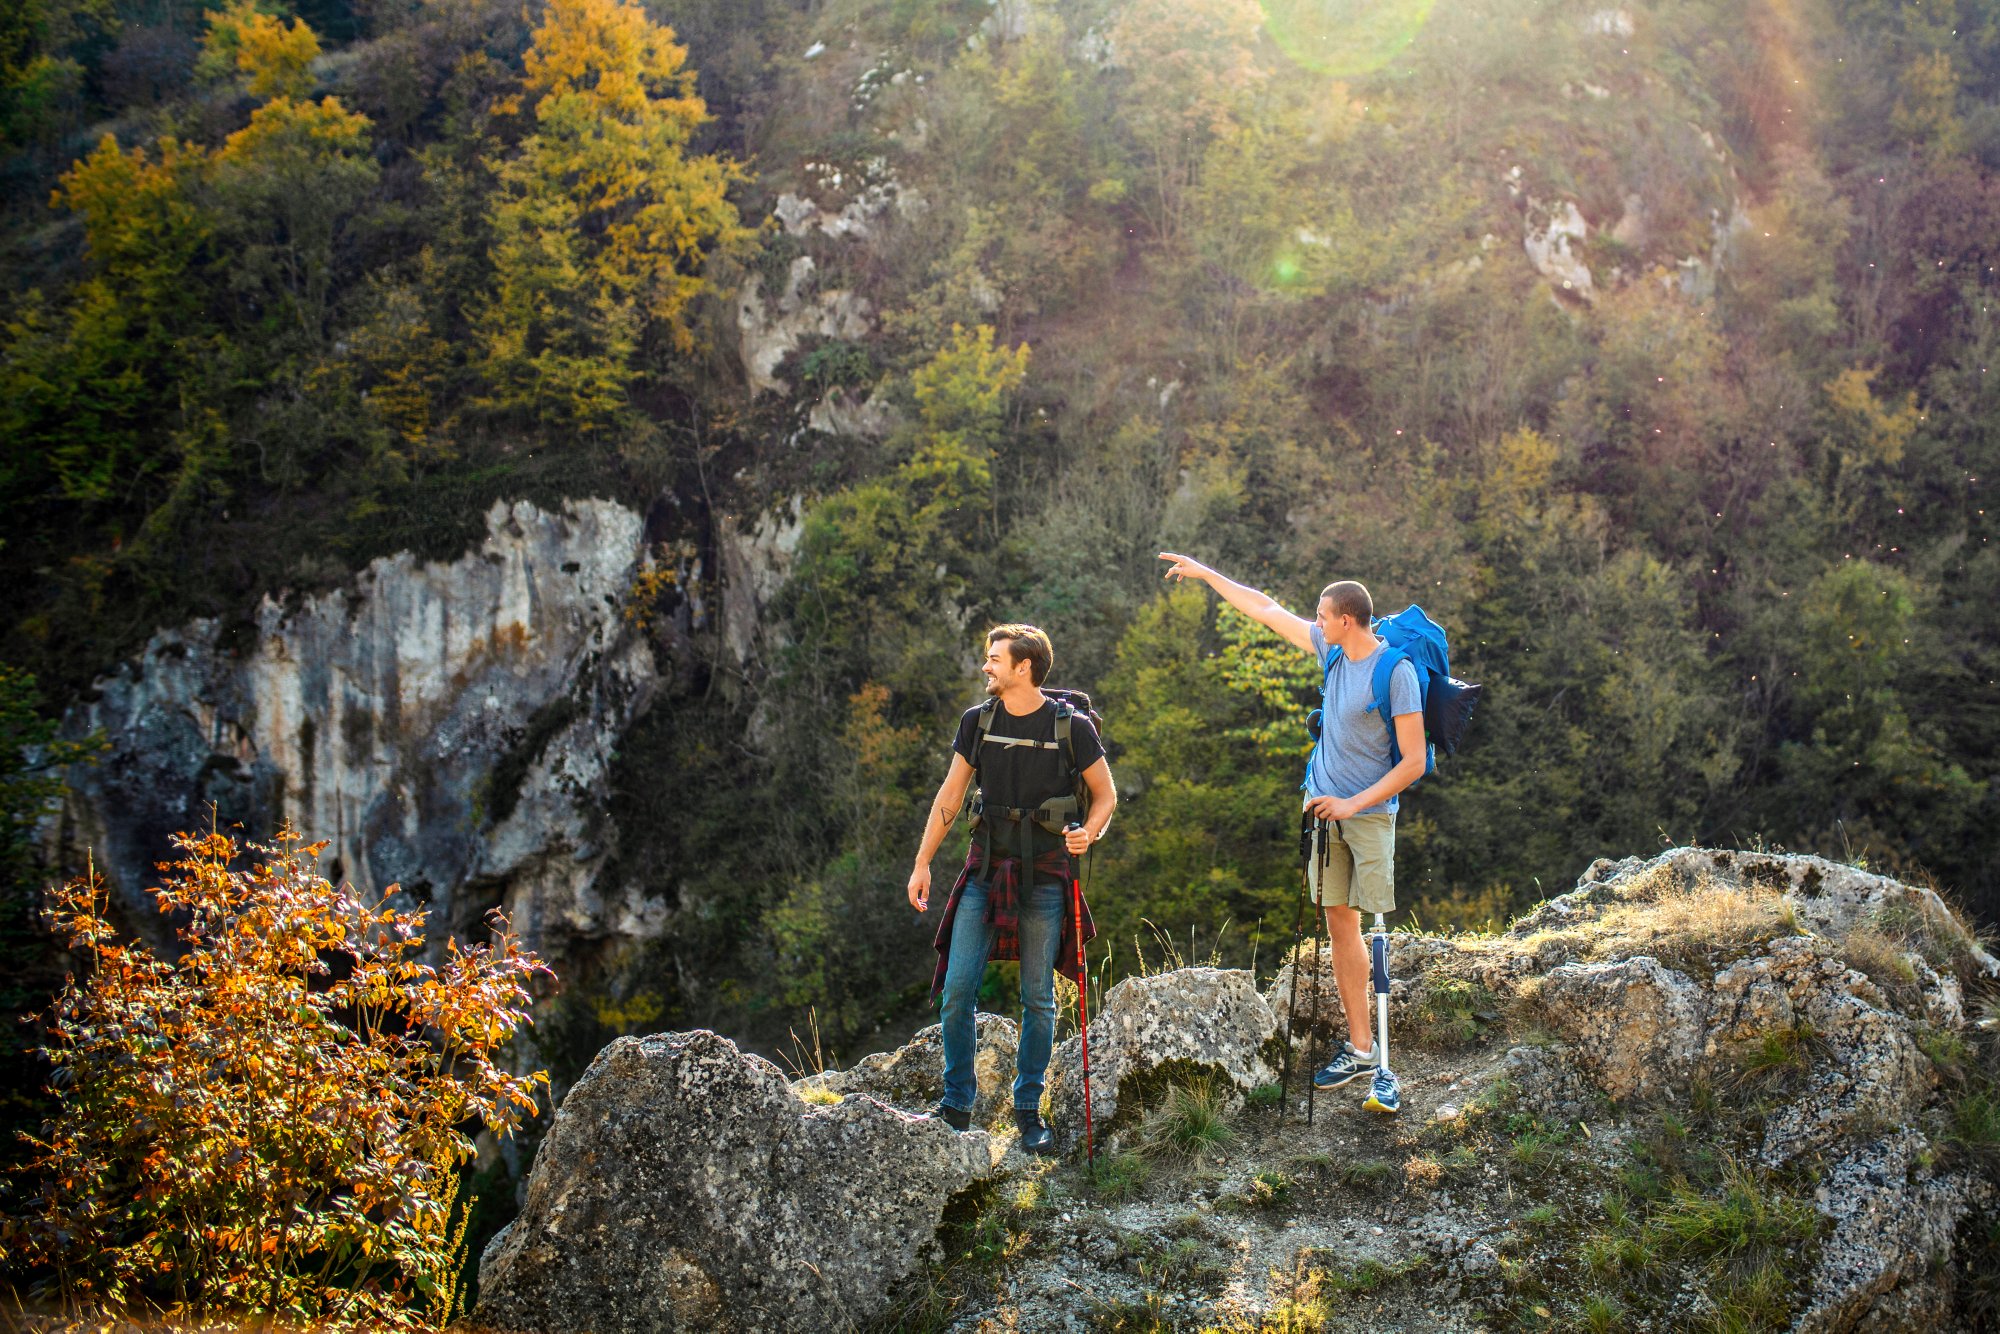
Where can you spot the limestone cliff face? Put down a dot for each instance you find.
(448, 727)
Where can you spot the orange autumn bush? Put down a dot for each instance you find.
(273, 1123)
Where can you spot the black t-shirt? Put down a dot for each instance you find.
(1025, 776)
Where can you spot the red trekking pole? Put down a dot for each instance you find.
(1082, 1008)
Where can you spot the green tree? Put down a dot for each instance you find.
(1206, 837)
(1860, 773)
(289, 184)
(92, 386)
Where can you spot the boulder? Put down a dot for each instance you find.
(1315, 1009)
(1635, 1025)
(685, 1185)
(1865, 1066)
(1893, 1223)
(912, 1076)
(1153, 1029)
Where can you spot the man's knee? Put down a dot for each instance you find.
(961, 992)
(1343, 921)
(1038, 991)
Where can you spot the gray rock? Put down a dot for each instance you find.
(1417, 962)
(1865, 1065)
(1542, 1079)
(1316, 998)
(684, 1185)
(767, 333)
(1636, 1026)
(1892, 1224)
(1206, 1019)
(1829, 898)
(912, 1076)
(383, 714)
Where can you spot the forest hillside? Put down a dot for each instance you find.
(1646, 346)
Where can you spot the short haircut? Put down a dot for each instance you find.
(1026, 642)
(1350, 599)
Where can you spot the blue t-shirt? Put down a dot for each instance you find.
(1352, 754)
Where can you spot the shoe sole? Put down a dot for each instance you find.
(1343, 1081)
(1374, 1106)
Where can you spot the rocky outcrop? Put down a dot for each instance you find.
(912, 1076)
(1635, 1025)
(1893, 1219)
(1192, 1021)
(448, 726)
(1552, 238)
(769, 329)
(1868, 1069)
(754, 556)
(685, 1185)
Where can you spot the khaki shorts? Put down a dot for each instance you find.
(1360, 868)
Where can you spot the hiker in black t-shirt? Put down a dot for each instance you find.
(1040, 767)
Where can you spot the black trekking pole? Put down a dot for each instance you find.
(1298, 960)
(1319, 979)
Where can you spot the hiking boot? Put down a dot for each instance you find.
(1036, 1137)
(1385, 1094)
(958, 1118)
(1345, 1068)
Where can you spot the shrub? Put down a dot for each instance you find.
(274, 1122)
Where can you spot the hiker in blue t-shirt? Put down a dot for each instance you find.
(1351, 782)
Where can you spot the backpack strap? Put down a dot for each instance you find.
(1051, 815)
(1383, 678)
(975, 804)
(1385, 671)
(1064, 714)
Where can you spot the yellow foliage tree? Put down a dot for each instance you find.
(1874, 433)
(602, 222)
(272, 59)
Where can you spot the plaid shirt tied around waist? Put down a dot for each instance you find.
(1003, 910)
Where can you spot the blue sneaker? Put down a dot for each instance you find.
(1345, 1068)
(1385, 1095)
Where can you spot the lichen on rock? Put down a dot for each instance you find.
(684, 1184)
(1191, 1019)
(912, 1076)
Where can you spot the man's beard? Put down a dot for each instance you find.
(993, 685)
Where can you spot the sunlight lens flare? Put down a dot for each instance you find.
(1344, 38)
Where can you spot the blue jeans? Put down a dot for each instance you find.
(1040, 931)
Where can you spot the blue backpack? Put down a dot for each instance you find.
(1413, 637)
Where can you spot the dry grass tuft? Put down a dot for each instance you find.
(1703, 924)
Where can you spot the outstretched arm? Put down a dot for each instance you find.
(944, 813)
(1258, 606)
